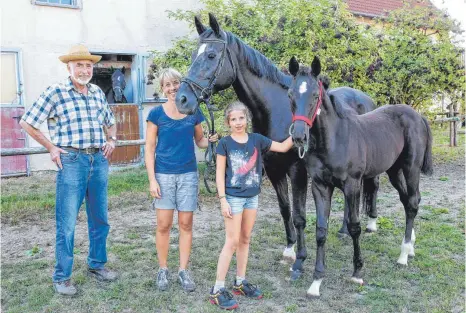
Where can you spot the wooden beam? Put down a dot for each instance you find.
(447, 119)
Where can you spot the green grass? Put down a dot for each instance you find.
(433, 281)
(38, 200)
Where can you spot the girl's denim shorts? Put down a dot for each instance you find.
(238, 204)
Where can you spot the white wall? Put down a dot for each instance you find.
(44, 32)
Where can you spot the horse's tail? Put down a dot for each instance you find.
(427, 165)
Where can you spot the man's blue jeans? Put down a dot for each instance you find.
(84, 176)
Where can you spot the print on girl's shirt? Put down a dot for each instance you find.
(244, 169)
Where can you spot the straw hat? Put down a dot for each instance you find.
(79, 52)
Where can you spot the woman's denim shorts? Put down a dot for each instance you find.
(179, 191)
(238, 204)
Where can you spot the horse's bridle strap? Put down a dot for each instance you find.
(310, 121)
(302, 118)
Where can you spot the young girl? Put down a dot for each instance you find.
(239, 175)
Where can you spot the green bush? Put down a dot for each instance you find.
(409, 57)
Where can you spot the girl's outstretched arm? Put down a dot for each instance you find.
(282, 146)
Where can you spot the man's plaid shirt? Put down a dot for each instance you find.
(74, 120)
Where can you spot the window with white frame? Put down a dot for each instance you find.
(59, 3)
(11, 86)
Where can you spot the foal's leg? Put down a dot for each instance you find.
(370, 188)
(343, 232)
(322, 198)
(352, 191)
(277, 176)
(298, 177)
(412, 176)
(398, 181)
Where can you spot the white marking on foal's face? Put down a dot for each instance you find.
(303, 87)
(201, 49)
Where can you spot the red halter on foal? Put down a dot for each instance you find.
(306, 119)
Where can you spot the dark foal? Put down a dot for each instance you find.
(222, 60)
(350, 149)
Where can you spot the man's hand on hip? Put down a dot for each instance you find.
(55, 155)
(108, 148)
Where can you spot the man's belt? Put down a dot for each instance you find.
(84, 150)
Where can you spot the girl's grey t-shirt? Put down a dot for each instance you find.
(243, 173)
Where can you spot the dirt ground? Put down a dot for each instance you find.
(131, 212)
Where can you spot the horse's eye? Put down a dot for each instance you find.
(211, 55)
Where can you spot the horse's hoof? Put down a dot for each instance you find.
(311, 296)
(289, 255)
(370, 231)
(357, 280)
(402, 261)
(287, 260)
(295, 275)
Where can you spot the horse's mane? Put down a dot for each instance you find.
(258, 63)
(339, 107)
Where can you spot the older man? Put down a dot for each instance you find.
(77, 113)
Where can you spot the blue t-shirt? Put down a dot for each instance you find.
(243, 173)
(175, 144)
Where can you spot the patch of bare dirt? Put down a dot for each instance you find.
(132, 212)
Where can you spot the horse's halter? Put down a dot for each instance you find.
(206, 92)
(204, 96)
(309, 122)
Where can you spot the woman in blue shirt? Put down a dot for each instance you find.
(172, 171)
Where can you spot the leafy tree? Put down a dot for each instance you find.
(416, 59)
(409, 59)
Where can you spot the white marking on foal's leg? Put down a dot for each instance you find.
(314, 290)
(406, 248)
(356, 280)
(289, 253)
(372, 224)
(413, 240)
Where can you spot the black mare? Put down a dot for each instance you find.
(350, 149)
(115, 94)
(222, 60)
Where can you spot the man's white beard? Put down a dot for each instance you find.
(80, 80)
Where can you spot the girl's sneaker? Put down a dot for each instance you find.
(248, 290)
(223, 299)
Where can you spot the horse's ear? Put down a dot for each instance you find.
(293, 67)
(199, 26)
(214, 25)
(325, 81)
(315, 67)
(123, 69)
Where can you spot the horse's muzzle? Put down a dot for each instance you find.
(299, 133)
(186, 100)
